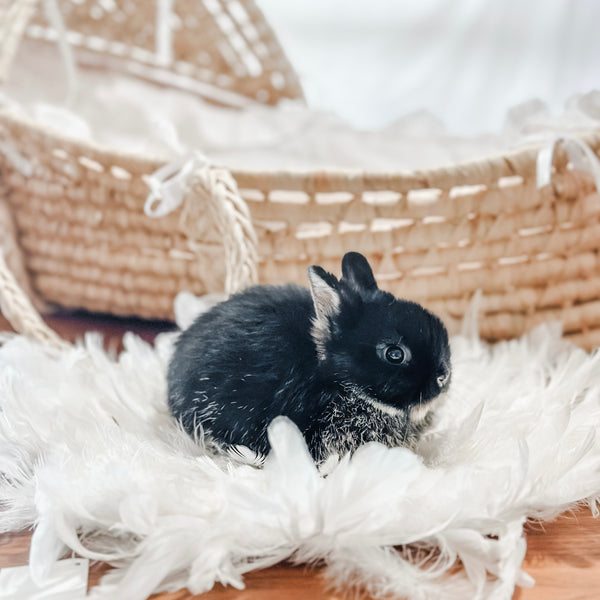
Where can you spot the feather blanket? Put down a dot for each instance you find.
(90, 456)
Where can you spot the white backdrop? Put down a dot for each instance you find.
(376, 61)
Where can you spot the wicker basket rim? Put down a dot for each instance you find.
(501, 164)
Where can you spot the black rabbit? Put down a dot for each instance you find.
(350, 364)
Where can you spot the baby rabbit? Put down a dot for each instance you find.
(347, 362)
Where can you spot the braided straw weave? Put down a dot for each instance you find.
(233, 223)
(225, 45)
(434, 236)
(14, 16)
(19, 311)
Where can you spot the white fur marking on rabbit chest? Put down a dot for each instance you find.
(359, 394)
(420, 413)
(357, 418)
(386, 408)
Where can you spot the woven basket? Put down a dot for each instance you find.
(81, 238)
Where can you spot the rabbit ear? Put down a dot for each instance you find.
(357, 271)
(326, 298)
(325, 294)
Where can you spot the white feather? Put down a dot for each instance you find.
(92, 457)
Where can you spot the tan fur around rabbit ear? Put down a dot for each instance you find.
(324, 292)
(326, 299)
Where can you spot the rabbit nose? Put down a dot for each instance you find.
(442, 378)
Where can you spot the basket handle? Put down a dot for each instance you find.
(234, 223)
(20, 313)
(14, 16)
(193, 182)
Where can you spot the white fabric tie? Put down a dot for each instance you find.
(16, 159)
(580, 155)
(215, 196)
(163, 32)
(168, 184)
(55, 18)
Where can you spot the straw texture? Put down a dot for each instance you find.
(19, 311)
(434, 236)
(14, 16)
(223, 44)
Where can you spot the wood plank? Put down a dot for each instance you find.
(563, 556)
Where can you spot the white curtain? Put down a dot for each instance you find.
(466, 62)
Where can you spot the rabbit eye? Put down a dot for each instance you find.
(396, 355)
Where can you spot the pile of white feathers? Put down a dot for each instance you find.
(90, 455)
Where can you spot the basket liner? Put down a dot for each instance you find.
(135, 116)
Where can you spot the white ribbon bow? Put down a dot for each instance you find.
(169, 184)
(580, 155)
(163, 32)
(54, 16)
(16, 159)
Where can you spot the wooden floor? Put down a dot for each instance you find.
(563, 556)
